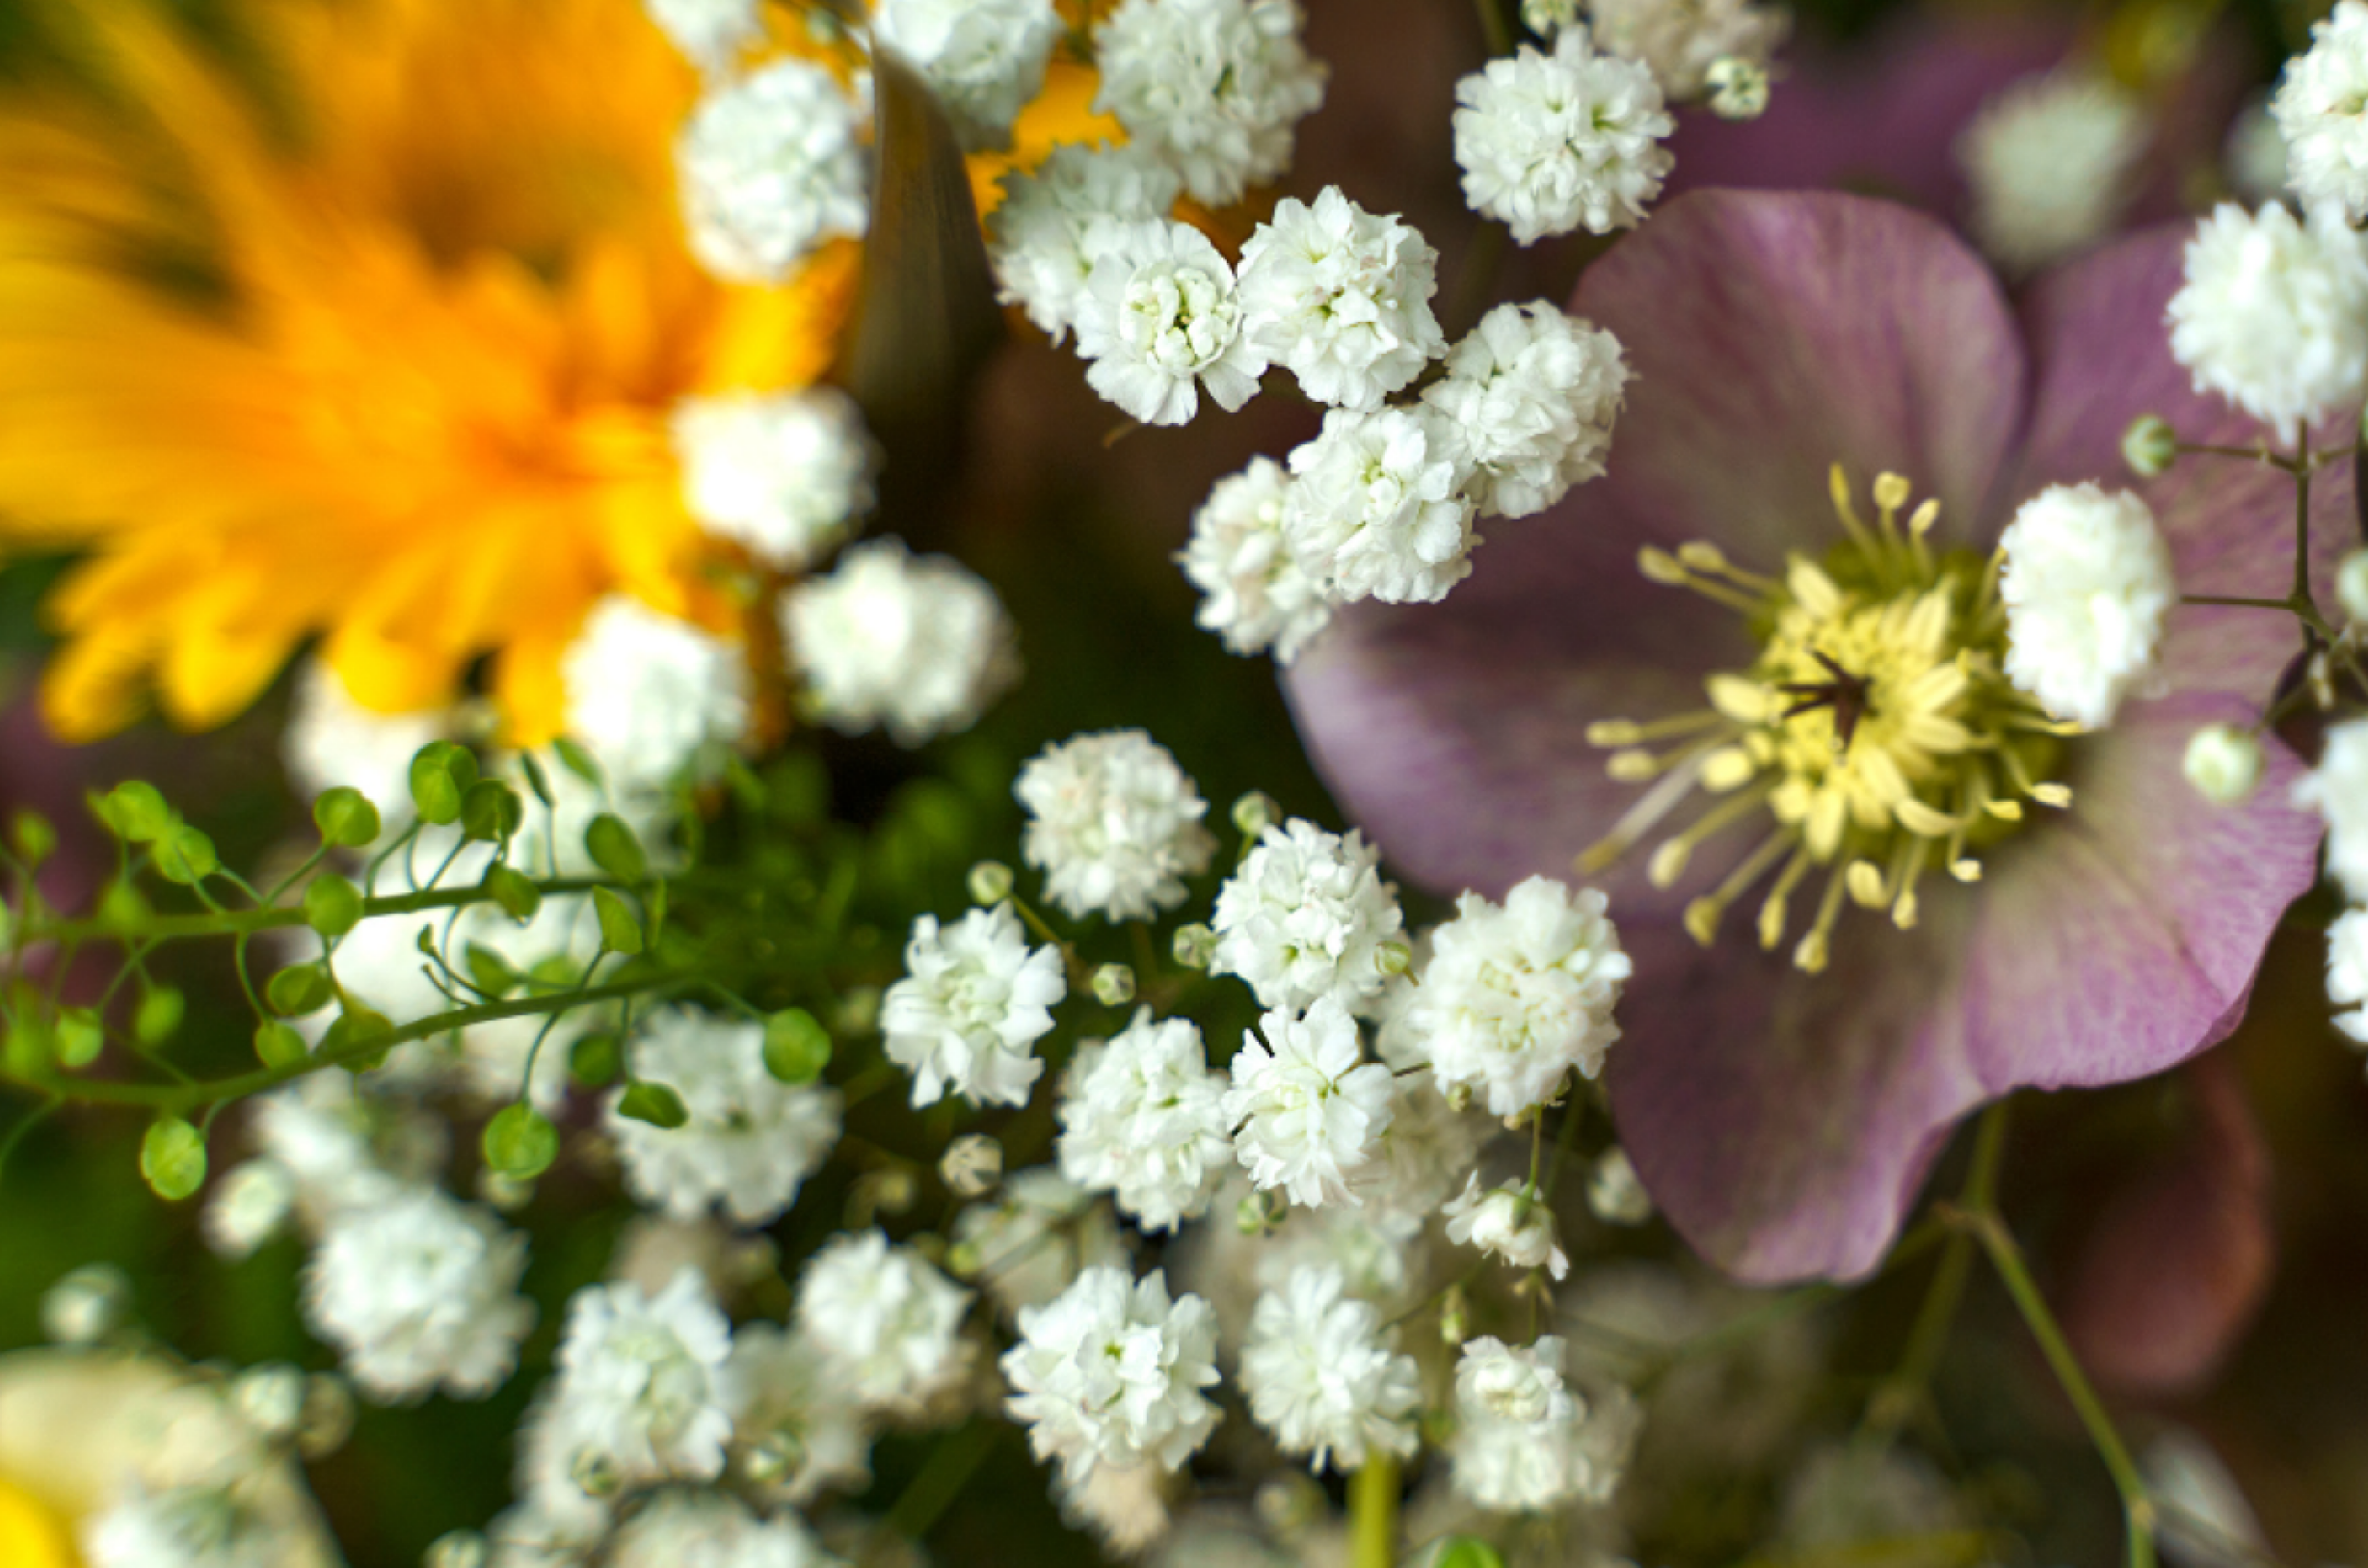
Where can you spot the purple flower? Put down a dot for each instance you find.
(1783, 1119)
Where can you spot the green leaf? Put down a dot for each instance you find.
(346, 818)
(490, 811)
(440, 775)
(173, 1158)
(135, 811)
(620, 928)
(185, 855)
(119, 905)
(159, 1015)
(595, 1059)
(298, 990)
(356, 1027)
(491, 972)
(78, 1039)
(519, 1142)
(614, 849)
(797, 1048)
(278, 1046)
(332, 905)
(536, 781)
(515, 891)
(655, 1104)
(1467, 1552)
(576, 761)
(35, 838)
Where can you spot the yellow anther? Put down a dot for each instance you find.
(1965, 869)
(2005, 810)
(1744, 701)
(1669, 862)
(1631, 766)
(1615, 733)
(1702, 919)
(1866, 885)
(1891, 491)
(1729, 767)
(1660, 565)
(1904, 911)
(2052, 794)
(1922, 820)
(1920, 521)
(1702, 556)
(1809, 956)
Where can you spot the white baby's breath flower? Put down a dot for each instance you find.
(1517, 995)
(333, 740)
(2087, 583)
(1309, 1106)
(712, 1530)
(2347, 972)
(419, 1293)
(1214, 88)
(887, 1319)
(1499, 1221)
(1113, 824)
(1534, 393)
(2273, 314)
(1525, 1442)
(248, 1206)
(772, 165)
(1043, 237)
(751, 1139)
(1304, 916)
(1254, 593)
(918, 645)
(644, 1392)
(2222, 762)
(650, 696)
(983, 58)
(1324, 1375)
(186, 1526)
(2337, 789)
(974, 998)
(1111, 1372)
(795, 1402)
(1376, 508)
(1551, 143)
(2321, 111)
(1678, 41)
(1341, 298)
(1144, 1120)
(2052, 162)
(1160, 320)
(712, 32)
(785, 474)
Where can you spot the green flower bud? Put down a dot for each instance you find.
(2149, 446)
(134, 811)
(346, 818)
(620, 926)
(173, 1158)
(298, 990)
(1255, 812)
(332, 905)
(1113, 985)
(2223, 764)
(797, 1048)
(521, 1142)
(655, 1104)
(989, 881)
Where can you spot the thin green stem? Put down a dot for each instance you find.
(2301, 520)
(278, 917)
(1373, 1512)
(2239, 602)
(1906, 1391)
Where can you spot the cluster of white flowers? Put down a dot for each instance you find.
(1111, 1371)
(644, 1392)
(1162, 319)
(712, 1530)
(1114, 825)
(1144, 1120)
(187, 1527)
(1325, 1376)
(1518, 996)
(772, 165)
(1376, 508)
(793, 1401)
(1509, 1222)
(1305, 917)
(650, 696)
(1309, 1108)
(418, 1293)
(886, 1319)
(2052, 162)
(1682, 41)
(2347, 972)
(1214, 88)
(1341, 298)
(2087, 585)
(1525, 1441)
(1552, 143)
(2338, 790)
(785, 475)
(2274, 313)
(1533, 392)
(1045, 234)
(2319, 112)
(712, 32)
(1254, 591)
(917, 646)
(974, 998)
(983, 58)
(751, 1139)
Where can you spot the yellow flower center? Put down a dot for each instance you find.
(1874, 738)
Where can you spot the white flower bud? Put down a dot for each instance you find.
(270, 1399)
(1739, 87)
(2352, 585)
(989, 881)
(328, 1418)
(2222, 762)
(2149, 446)
(1255, 812)
(971, 1166)
(1195, 946)
(1614, 1195)
(87, 1305)
(456, 1549)
(1113, 985)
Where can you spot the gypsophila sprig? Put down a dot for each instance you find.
(785, 475)
(887, 1319)
(1325, 1376)
(2337, 788)
(1111, 1372)
(419, 1293)
(1304, 918)
(1552, 143)
(792, 1398)
(1376, 508)
(2051, 161)
(650, 696)
(1534, 393)
(1255, 592)
(644, 1392)
(1214, 88)
(1341, 298)
(2087, 584)
(984, 58)
(1113, 824)
(751, 1139)
(1308, 1106)
(713, 1530)
(772, 165)
(916, 645)
(1160, 321)
(1055, 220)
(1517, 997)
(974, 998)
(2317, 110)
(1506, 1222)
(1525, 1441)
(1683, 45)
(2274, 313)
(1144, 1120)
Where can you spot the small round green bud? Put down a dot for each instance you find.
(1255, 812)
(135, 811)
(1113, 985)
(346, 818)
(1455, 1317)
(2352, 585)
(158, 1017)
(521, 1142)
(332, 905)
(615, 849)
(594, 1473)
(440, 775)
(892, 1190)
(773, 1458)
(490, 811)
(504, 1194)
(2222, 762)
(1394, 958)
(35, 838)
(276, 1045)
(989, 881)
(79, 1038)
(173, 1158)
(1195, 946)
(797, 1048)
(964, 1259)
(1259, 1214)
(1466, 1552)
(972, 1166)
(620, 926)
(1739, 87)
(2149, 446)
(186, 856)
